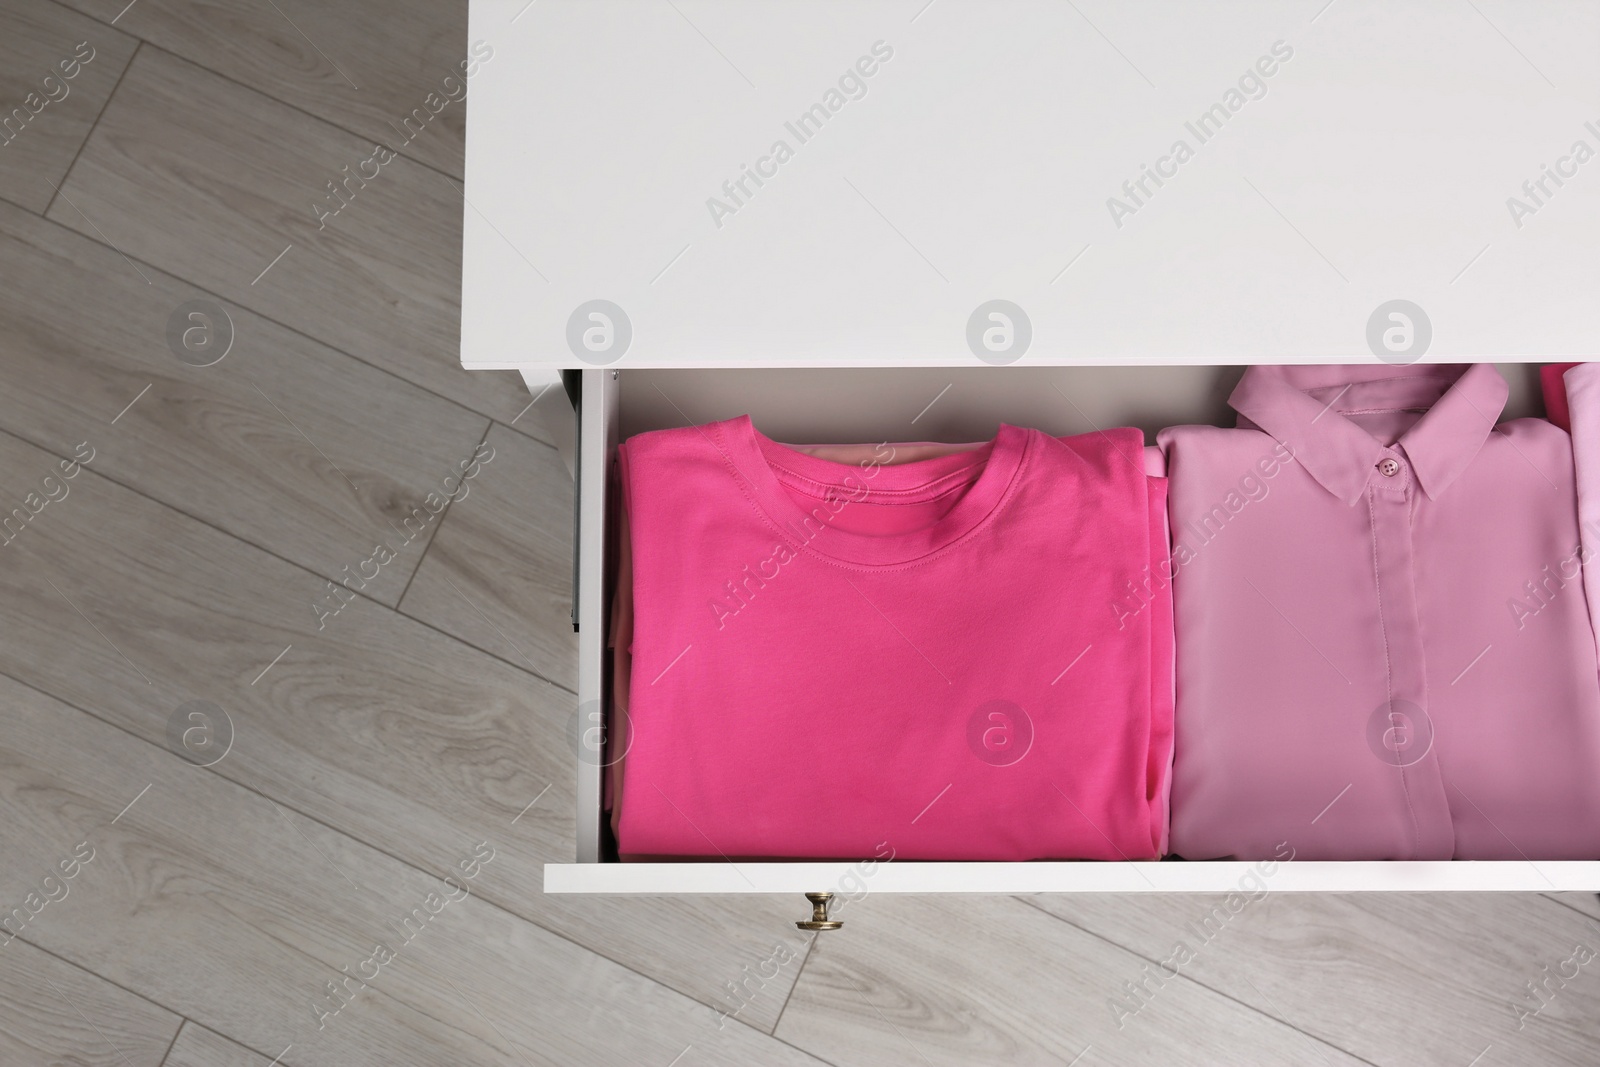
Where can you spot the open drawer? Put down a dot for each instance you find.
(852, 405)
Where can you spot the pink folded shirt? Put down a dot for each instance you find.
(961, 657)
(1384, 648)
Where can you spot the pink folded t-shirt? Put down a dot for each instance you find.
(963, 657)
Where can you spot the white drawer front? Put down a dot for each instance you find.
(852, 879)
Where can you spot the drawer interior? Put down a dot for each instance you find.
(910, 404)
(944, 404)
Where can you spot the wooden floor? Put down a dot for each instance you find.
(358, 749)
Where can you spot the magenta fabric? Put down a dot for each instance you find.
(1383, 650)
(941, 658)
(1555, 393)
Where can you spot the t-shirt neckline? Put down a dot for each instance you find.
(754, 456)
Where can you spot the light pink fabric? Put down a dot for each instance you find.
(1327, 612)
(1583, 400)
(831, 658)
(1556, 408)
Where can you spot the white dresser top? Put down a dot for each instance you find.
(979, 163)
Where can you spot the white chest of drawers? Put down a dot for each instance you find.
(992, 197)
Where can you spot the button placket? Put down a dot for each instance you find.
(1394, 588)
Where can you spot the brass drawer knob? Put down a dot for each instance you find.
(819, 914)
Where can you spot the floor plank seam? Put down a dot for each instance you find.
(481, 894)
(438, 527)
(518, 430)
(1572, 908)
(27, 940)
(261, 92)
(799, 974)
(225, 300)
(796, 985)
(183, 1020)
(809, 1053)
(1195, 981)
(303, 568)
(93, 126)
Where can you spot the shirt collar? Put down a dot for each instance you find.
(1341, 455)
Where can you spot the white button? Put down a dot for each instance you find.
(1389, 468)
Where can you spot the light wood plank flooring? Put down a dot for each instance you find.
(388, 713)
(57, 70)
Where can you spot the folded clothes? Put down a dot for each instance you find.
(1383, 648)
(966, 656)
